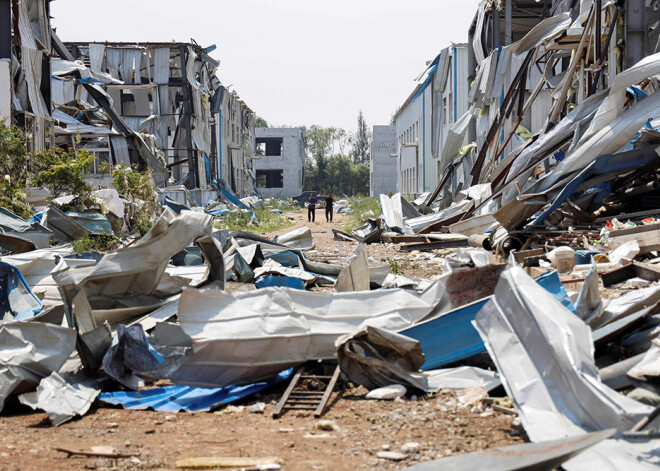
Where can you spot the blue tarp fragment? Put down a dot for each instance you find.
(282, 281)
(218, 212)
(16, 297)
(37, 217)
(178, 398)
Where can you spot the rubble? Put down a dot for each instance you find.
(538, 222)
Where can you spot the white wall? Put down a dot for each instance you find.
(5, 90)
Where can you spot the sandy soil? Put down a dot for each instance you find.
(160, 439)
(365, 427)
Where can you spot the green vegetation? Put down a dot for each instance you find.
(13, 171)
(95, 242)
(62, 171)
(395, 266)
(137, 187)
(365, 208)
(267, 220)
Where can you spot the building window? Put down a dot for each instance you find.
(270, 178)
(269, 146)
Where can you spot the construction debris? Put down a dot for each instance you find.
(519, 255)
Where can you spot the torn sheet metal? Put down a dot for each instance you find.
(132, 272)
(11, 224)
(589, 305)
(605, 141)
(16, 244)
(131, 357)
(375, 357)
(243, 337)
(355, 277)
(191, 399)
(60, 399)
(37, 350)
(546, 29)
(613, 104)
(542, 456)
(544, 354)
(300, 239)
(395, 211)
(65, 228)
(369, 232)
(17, 301)
(450, 337)
(271, 267)
(649, 366)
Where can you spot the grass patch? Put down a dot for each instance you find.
(365, 208)
(267, 221)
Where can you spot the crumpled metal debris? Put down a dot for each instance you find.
(37, 350)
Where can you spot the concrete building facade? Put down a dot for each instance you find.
(279, 162)
(383, 160)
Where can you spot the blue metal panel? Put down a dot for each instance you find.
(287, 258)
(450, 337)
(282, 281)
(551, 282)
(177, 398)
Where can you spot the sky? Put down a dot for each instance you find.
(294, 62)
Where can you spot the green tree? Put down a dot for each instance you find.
(259, 122)
(361, 142)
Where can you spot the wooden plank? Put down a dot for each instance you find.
(328, 391)
(226, 462)
(287, 393)
(447, 244)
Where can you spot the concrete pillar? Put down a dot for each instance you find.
(508, 35)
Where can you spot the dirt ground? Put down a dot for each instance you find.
(159, 439)
(364, 427)
(420, 265)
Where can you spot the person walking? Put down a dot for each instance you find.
(311, 208)
(328, 207)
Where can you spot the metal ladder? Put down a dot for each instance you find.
(293, 399)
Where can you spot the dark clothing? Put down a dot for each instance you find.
(328, 201)
(328, 208)
(311, 209)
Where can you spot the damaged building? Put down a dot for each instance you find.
(279, 162)
(159, 106)
(423, 121)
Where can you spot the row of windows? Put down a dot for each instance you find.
(409, 180)
(411, 134)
